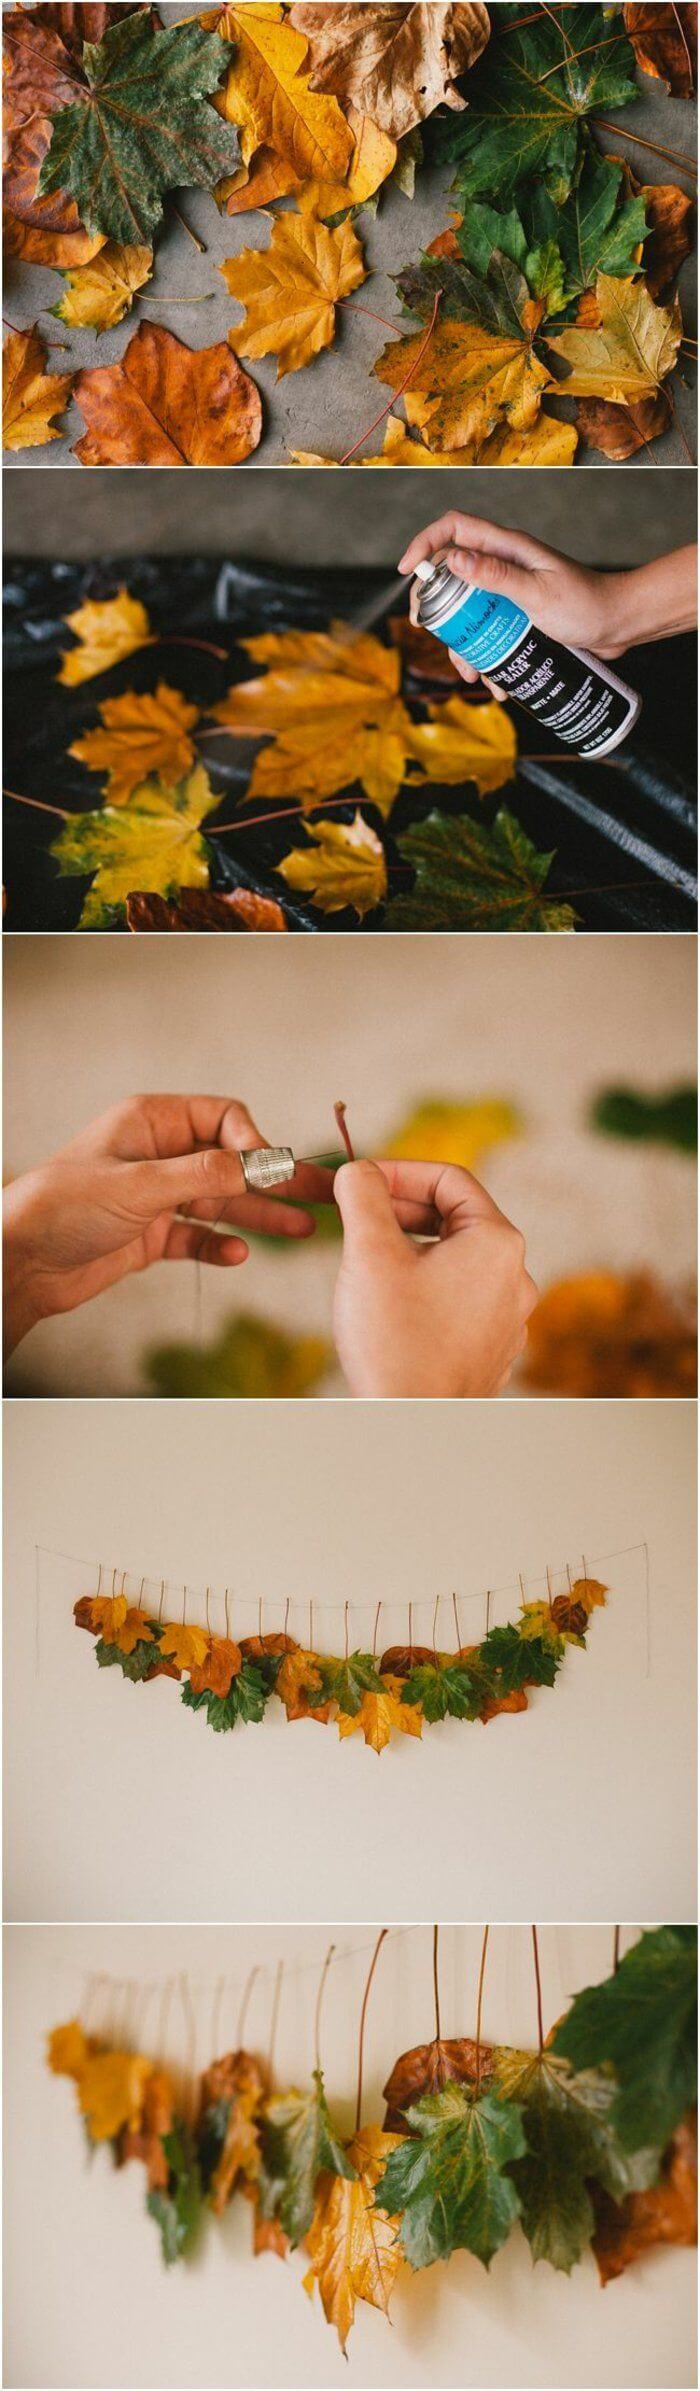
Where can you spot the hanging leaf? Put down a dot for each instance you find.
(300, 1683)
(667, 2213)
(67, 2050)
(135, 1629)
(145, 735)
(397, 62)
(146, 2141)
(670, 1119)
(233, 2090)
(628, 354)
(165, 404)
(221, 1662)
(665, 44)
(139, 125)
(669, 215)
(297, 2145)
(643, 2023)
(31, 398)
(461, 1133)
(470, 877)
(178, 2211)
(344, 864)
(449, 2182)
(569, 2140)
(106, 630)
(382, 1715)
(290, 290)
(471, 381)
(187, 1646)
(268, 96)
(111, 2089)
(239, 911)
(100, 293)
(246, 1700)
(429, 2068)
(530, 96)
(604, 1333)
(352, 2244)
(154, 840)
(250, 1358)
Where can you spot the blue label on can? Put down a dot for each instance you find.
(485, 629)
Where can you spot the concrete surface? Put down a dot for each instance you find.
(328, 404)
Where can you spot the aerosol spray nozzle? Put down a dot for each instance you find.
(425, 571)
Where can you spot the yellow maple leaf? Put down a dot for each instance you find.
(298, 1681)
(107, 629)
(143, 736)
(135, 1629)
(469, 382)
(590, 1593)
(267, 95)
(398, 449)
(380, 1714)
(186, 1646)
(373, 157)
(353, 2245)
(290, 290)
(344, 864)
(331, 701)
(108, 1614)
(30, 397)
(536, 1620)
(628, 354)
(154, 842)
(100, 293)
(461, 742)
(67, 2050)
(111, 2091)
(459, 1133)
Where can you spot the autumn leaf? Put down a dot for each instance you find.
(529, 99)
(665, 44)
(570, 2142)
(461, 1133)
(352, 2244)
(30, 397)
(232, 2093)
(106, 630)
(547, 442)
(165, 404)
(397, 62)
(178, 2209)
(344, 864)
(268, 96)
(450, 2183)
(108, 1613)
(620, 432)
(135, 1629)
(627, 356)
(605, 1332)
(144, 736)
(139, 125)
(156, 838)
(39, 78)
(67, 2050)
(239, 910)
(470, 877)
(290, 290)
(374, 158)
(381, 1715)
(37, 247)
(221, 1662)
(666, 2213)
(111, 2092)
(188, 1647)
(246, 1700)
(250, 1359)
(101, 292)
(471, 380)
(147, 2140)
(428, 2068)
(297, 2145)
(642, 2023)
(298, 1682)
(462, 742)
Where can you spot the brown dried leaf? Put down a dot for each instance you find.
(145, 2141)
(667, 2213)
(427, 2069)
(237, 2078)
(398, 62)
(665, 43)
(669, 215)
(221, 1663)
(165, 404)
(36, 247)
(202, 909)
(619, 432)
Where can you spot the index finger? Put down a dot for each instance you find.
(456, 530)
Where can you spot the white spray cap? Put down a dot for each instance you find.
(425, 571)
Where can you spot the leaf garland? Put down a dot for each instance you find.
(360, 1694)
(108, 112)
(588, 2143)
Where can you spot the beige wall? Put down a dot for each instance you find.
(88, 2302)
(119, 1803)
(290, 1024)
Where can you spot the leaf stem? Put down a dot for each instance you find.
(342, 1127)
(183, 639)
(363, 2013)
(38, 802)
(243, 2011)
(479, 2002)
(396, 394)
(319, 2002)
(616, 1949)
(622, 134)
(538, 1984)
(192, 236)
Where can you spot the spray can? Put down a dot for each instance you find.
(572, 693)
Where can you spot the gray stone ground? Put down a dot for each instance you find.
(328, 404)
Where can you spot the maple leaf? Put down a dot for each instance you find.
(67, 2050)
(268, 96)
(669, 215)
(140, 126)
(30, 397)
(165, 404)
(470, 877)
(106, 630)
(669, 1119)
(352, 2244)
(250, 1358)
(290, 290)
(101, 292)
(374, 159)
(343, 865)
(144, 736)
(246, 1699)
(232, 2092)
(460, 1133)
(397, 62)
(530, 97)
(628, 353)
(346, 1681)
(620, 432)
(643, 2023)
(665, 44)
(137, 1666)
(570, 2140)
(188, 1647)
(221, 1662)
(239, 911)
(382, 1714)
(537, 1623)
(472, 380)
(331, 703)
(147, 2140)
(666, 2212)
(135, 1629)
(155, 839)
(449, 2182)
(604, 1333)
(462, 742)
(298, 1681)
(441, 1692)
(428, 2068)
(398, 449)
(37, 247)
(111, 2092)
(39, 76)
(177, 2211)
(297, 2145)
(108, 1613)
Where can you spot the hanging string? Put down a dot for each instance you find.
(381, 1938)
(433, 1638)
(479, 2004)
(538, 1983)
(190, 2021)
(274, 2017)
(219, 1990)
(436, 1982)
(376, 1631)
(457, 1622)
(243, 2011)
(616, 1949)
(319, 2004)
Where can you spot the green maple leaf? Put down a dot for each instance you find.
(346, 1681)
(594, 233)
(246, 1699)
(668, 1120)
(470, 877)
(211, 2138)
(570, 2142)
(457, 1691)
(134, 1665)
(178, 2211)
(251, 1359)
(448, 2183)
(530, 95)
(643, 2024)
(140, 126)
(157, 834)
(297, 2144)
(494, 297)
(519, 1661)
(485, 230)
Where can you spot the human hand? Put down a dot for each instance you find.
(605, 612)
(443, 1319)
(110, 1203)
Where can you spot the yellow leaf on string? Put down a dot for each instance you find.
(186, 1646)
(628, 353)
(536, 1620)
(353, 2245)
(381, 1715)
(30, 397)
(101, 292)
(108, 1614)
(344, 864)
(298, 1682)
(67, 2050)
(290, 291)
(590, 1593)
(267, 94)
(107, 629)
(136, 1629)
(111, 2093)
(143, 736)
(460, 1133)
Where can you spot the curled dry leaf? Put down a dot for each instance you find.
(236, 2081)
(469, 382)
(665, 43)
(667, 2212)
(106, 630)
(36, 247)
(290, 290)
(630, 352)
(298, 1681)
(31, 398)
(146, 2140)
(604, 1333)
(165, 404)
(344, 864)
(101, 292)
(39, 76)
(427, 2069)
(143, 735)
(353, 2245)
(669, 215)
(620, 432)
(197, 909)
(398, 62)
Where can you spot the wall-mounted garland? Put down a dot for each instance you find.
(586, 2142)
(362, 1694)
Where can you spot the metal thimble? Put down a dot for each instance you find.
(266, 1166)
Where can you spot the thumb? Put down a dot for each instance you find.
(208, 1176)
(370, 1227)
(494, 573)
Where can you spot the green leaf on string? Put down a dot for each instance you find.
(642, 2023)
(449, 2184)
(297, 2144)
